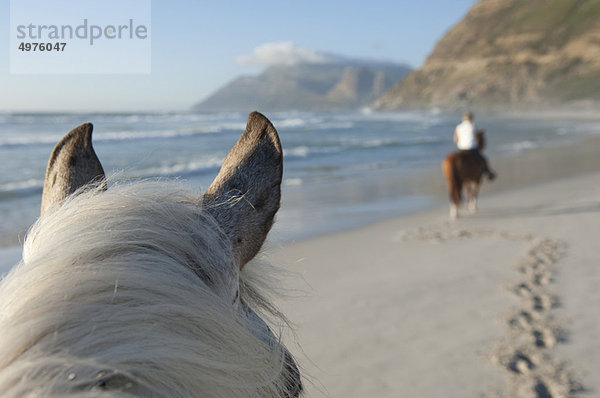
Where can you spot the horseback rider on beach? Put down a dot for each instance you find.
(465, 137)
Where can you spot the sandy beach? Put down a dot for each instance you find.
(305, 141)
(503, 303)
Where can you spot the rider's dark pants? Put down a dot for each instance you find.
(486, 168)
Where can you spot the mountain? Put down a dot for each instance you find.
(306, 87)
(509, 54)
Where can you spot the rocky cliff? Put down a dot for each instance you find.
(509, 54)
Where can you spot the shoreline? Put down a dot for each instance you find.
(522, 170)
(503, 303)
(417, 191)
(529, 168)
(482, 306)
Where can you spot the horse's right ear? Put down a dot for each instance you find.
(73, 164)
(245, 195)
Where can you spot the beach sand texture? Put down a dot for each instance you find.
(504, 303)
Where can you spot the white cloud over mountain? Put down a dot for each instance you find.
(284, 53)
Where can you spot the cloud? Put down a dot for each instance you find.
(284, 53)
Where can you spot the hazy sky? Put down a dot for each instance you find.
(198, 46)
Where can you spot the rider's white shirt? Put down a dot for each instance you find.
(465, 133)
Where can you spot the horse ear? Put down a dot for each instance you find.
(245, 195)
(73, 164)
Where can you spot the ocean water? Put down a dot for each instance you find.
(341, 169)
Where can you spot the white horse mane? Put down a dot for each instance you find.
(123, 293)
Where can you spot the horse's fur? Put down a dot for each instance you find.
(465, 169)
(256, 182)
(136, 291)
(73, 163)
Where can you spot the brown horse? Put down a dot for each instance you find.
(465, 169)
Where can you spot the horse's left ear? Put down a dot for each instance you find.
(245, 195)
(73, 164)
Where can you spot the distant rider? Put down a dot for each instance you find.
(466, 140)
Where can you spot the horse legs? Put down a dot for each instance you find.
(469, 192)
(453, 211)
(455, 199)
(472, 193)
(454, 185)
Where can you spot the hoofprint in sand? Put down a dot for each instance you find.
(504, 303)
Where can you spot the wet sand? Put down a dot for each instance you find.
(503, 303)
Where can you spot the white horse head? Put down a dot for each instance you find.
(139, 290)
